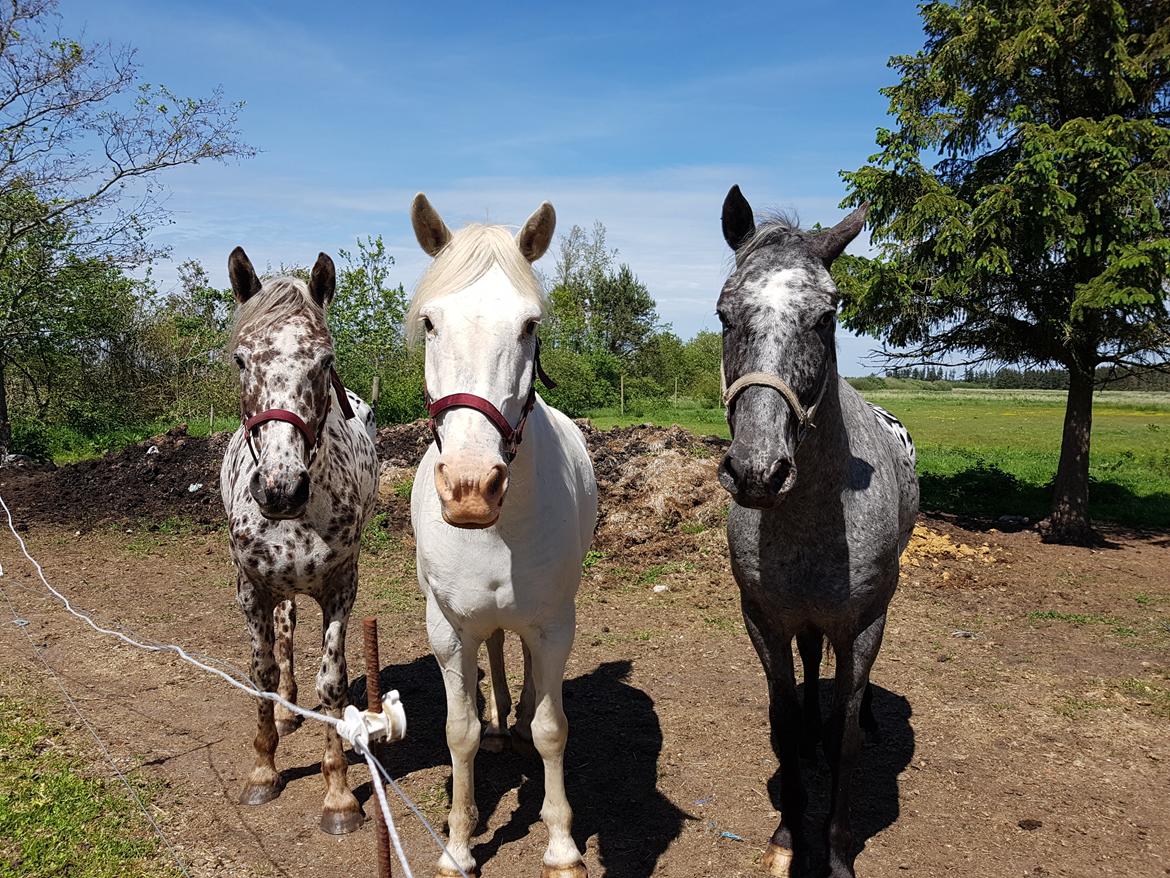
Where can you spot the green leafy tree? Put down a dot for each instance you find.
(63, 320)
(1021, 204)
(366, 321)
(82, 142)
(598, 306)
(183, 340)
(366, 318)
(622, 313)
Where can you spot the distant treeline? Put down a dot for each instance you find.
(1006, 378)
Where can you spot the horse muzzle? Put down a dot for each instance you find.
(280, 498)
(471, 493)
(756, 483)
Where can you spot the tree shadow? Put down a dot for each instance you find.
(875, 782)
(611, 765)
(982, 495)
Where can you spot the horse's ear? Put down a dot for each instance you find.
(323, 280)
(429, 228)
(533, 239)
(830, 244)
(738, 222)
(245, 284)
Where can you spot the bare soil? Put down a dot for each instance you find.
(1023, 690)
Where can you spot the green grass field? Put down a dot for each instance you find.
(994, 452)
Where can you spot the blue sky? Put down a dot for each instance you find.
(640, 115)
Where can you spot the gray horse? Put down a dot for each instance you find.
(825, 497)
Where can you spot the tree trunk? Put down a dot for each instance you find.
(5, 427)
(1069, 520)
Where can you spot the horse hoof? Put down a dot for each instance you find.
(285, 727)
(444, 872)
(777, 861)
(341, 822)
(577, 870)
(259, 793)
(494, 741)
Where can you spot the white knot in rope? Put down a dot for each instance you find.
(360, 727)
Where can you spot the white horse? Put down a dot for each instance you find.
(484, 566)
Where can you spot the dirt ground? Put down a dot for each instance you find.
(1023, 690)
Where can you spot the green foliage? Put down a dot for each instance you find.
(1020, 205)
(579, 387)
(365, 318)
(1041, 225)
(55, 820)
(597, 306)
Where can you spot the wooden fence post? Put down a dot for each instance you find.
(374, 705)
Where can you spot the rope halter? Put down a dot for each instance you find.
(804, 416)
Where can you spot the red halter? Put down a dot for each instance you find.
(512, 436)
(297, 421)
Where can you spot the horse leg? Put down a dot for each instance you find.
(457, 661)
(787, 847)
(871, 731)
(522, 731)
(499, 703)
(264, 781)
(341, 812)
(810, 646)
(550, 731)
(285, 619)
(854, 660)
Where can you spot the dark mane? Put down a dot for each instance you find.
(776, 227)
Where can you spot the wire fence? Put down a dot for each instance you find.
(351, 732)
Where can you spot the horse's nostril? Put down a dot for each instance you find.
(300, 493)
(778, 479)
(256, 488)
(496, 482)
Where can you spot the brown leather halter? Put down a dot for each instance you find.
(311, 439)
(512, 436)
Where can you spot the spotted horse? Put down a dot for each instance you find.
(299, 480)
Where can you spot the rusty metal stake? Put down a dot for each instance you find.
(374, 705)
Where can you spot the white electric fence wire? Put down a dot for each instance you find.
(93, 734)
(244, 687)
(380, 792)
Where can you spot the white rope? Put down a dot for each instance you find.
(380, 792)
(250, 689)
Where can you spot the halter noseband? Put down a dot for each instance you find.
(766, 379)
(512, 436)
(284, 415)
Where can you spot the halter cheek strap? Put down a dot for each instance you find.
(766, 379)
(287, 417)
(512, 436)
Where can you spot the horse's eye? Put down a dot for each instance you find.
(826, 320)
(530, 327)
(427, 325)
(239, 358)
(327, 364)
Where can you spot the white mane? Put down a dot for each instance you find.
(467, 257)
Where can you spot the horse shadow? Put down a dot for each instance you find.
(611, 766)
(875, 781)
